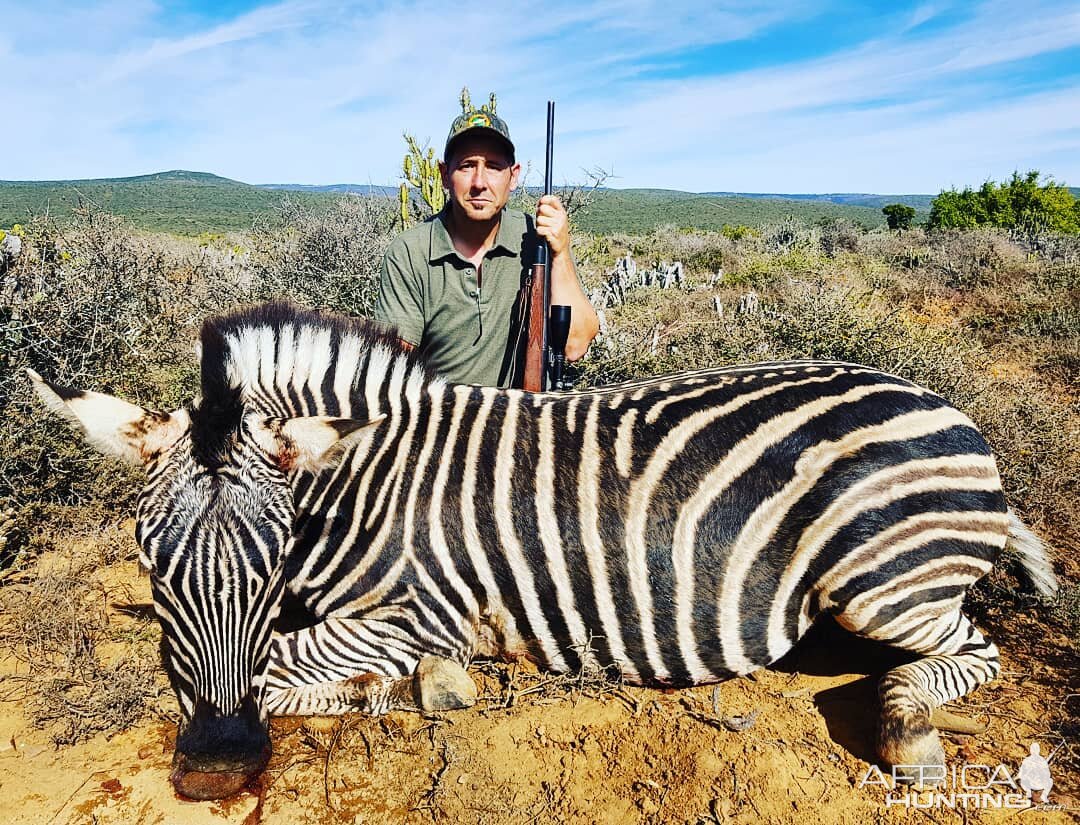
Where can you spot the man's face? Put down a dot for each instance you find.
(479, 177)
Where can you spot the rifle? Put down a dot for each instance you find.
(545, 350)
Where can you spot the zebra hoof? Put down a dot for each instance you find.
(441, 684)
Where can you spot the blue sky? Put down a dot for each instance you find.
(759, 96)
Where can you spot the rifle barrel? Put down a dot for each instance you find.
(549, 149)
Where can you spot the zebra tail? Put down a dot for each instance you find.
(1034, 559)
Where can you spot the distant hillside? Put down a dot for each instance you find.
(640, 210)
(338, 188)
(192, 202)
(919, 202)
(177, 201)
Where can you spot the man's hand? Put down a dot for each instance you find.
(553, 225)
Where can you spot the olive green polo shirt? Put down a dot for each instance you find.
(466, 328)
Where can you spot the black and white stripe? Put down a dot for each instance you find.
(683, 529)
(686, 525)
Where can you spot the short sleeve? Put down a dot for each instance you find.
(400, 302)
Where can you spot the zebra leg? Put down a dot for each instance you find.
(958, 659)
(367, 665)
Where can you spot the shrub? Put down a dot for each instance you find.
(840, 236)
(94, 307)
(100, 306)
(327, 259)
(1019, 203)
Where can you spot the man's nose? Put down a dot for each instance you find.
(479, 178)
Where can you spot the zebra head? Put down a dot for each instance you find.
(213, 524)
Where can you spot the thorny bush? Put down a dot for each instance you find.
(98, 305)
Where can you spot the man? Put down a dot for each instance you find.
(453, 285)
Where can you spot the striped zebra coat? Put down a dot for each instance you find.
(680, 529)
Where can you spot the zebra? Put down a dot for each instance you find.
(683, 529)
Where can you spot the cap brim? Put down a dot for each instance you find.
(478, 131)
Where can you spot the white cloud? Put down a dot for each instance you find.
(246, 27)
(316, 91)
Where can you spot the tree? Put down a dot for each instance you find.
(898, 215)
(1018, 203)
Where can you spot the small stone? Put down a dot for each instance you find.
(737, 724)
(442, 684)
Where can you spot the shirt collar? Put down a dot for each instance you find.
(509, 238)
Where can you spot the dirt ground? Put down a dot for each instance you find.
(793, 744)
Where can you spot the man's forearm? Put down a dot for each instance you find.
(566, 289)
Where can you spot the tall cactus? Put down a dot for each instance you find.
(421, 171)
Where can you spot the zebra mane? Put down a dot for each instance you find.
(228, 380)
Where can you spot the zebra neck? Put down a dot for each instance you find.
(302, 372)
(386, 382)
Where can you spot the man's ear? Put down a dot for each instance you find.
(515, 175)
(111, 425)
(310, 443)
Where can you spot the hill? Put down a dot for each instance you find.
(641, 210)
(336, 188)
(920, 202)
(177, 201)
(188, 203)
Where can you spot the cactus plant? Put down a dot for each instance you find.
(420, 168)
(421, 171)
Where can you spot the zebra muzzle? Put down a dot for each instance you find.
(218, 755)
(202, 780)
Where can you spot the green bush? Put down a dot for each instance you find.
(1019, 203)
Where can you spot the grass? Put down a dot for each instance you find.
(83, 670)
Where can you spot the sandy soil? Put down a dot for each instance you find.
(791, 745)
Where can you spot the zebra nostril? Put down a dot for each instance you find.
(196, 782)
(220, 751)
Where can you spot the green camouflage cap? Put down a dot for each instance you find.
(478, 122)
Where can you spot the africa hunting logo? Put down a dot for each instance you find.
(967, 785)
(480, 119)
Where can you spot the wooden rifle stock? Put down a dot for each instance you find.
(536, 348)
(539, 287)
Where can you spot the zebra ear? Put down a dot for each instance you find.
(111, 425)
(310, 443)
